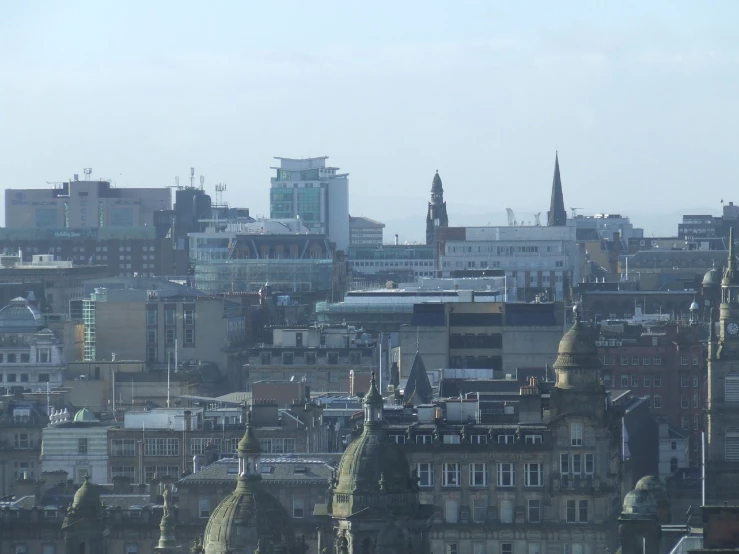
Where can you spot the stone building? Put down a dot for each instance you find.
(21, 424)
(436, 217)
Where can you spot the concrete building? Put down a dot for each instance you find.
(82, 204)
(501, 337)
(365, 232)
(31, 356)
(398, 263)
(535, 259)
(326, 358)
(697, 227)
(125, 251)
(317, 194)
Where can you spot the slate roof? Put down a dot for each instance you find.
(417, 388)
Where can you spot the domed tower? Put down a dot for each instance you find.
(577, 369)
(722, 414)
(436, 216)
(711, 290)
(249, 517)
(85, 522)
(639, 526)
(657, 487)
(374, 501)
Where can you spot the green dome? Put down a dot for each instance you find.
(84, 415)
(712, 278)
(243, 518)
(639, 504)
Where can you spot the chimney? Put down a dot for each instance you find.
(264, 413)
(29, 487)
(188, 420)
(397, 241)
(529, 407)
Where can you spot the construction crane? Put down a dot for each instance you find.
(511, 218)
(574, 212)
(537, 220)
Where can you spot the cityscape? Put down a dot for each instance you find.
(363, 366)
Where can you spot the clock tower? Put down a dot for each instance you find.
(722, 438)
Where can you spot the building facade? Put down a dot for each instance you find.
(315, 193)
(365, 232)
(82, 204)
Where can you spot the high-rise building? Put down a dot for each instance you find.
(557, 215)
(722, 449)
(317, 194)
(84, 204)
(436, 216)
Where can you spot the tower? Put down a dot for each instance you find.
(84, 524)
(374, 502)
(639, 528)
(249, 518)
(436, 216)
(722, 448)
(557, 215)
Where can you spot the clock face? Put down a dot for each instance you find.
(732, 328)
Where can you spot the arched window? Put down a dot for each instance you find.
(732, 445)
(731, 387)
(673, 465)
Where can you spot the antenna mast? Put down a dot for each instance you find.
(220, 189)
(88, 172)
(192, 177)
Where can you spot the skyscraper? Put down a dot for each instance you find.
(436, 216)
(317, 194)
(557, 215)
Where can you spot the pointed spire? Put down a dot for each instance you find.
(436, 185)
(249, 444)
(557, 215)
(731, 275)
(418, 388)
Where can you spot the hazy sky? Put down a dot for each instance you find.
(640, 99)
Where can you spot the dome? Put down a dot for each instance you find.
(640, 503)
(694, 306)
(86, 504)
(577, 363)
(652, 484)
(712, 278)
(19, 317)
(244, 517)
(84, 415)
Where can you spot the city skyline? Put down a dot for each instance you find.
(634, 98)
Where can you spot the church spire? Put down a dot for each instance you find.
(436, 216)
(557, 216)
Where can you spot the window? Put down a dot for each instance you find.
(657, 359)
(478, 548)
(450, 439)
(24, 377)
(22, 441)
(451, 548)
(204, 507)
(534, 510)
(695, 360)
(564, 464)
(479, 510)
(451, 475)
(624, 360)
(506, 511)
(533, 548)
(123, 447)
(645, 360)
(576, 434)
(507, 547)
(657, 401)
(577, 511)
(657, 380)
(634, 380)
(731, 388)
(298, 508)
(684, 381)
(478, 439)
(310, 358)
(625, 380)
(333, 358)
(151, 317)
(684, 421)
(277, 445)
(161, 471)
(673, 465)
(533, 439)
(478, 475)
(189, 337)
(506, 475)
(399, 439)
(695, 382)
(25, 358)
(506, 438)
(82, 446)
(533, 475)
(451, 511)
(169, 316)
(673, 445)
(162, 447)
(589, 464)
(696, 422)
(647, 380)
(425, 475)
(684, 403)
(683, 360)
(189, 316)
(634, 360)
(576, 464)
(170, 334)
(732, 446)
(424, 439)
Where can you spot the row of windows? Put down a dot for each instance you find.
(309, 358)
(170, 335)
(24, 378)
(648, 381)
(646, 360)
(508, 437)
(389, 263)
(575, 511)
(170, 316)
(43, 356)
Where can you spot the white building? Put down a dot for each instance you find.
(30, 357)
(79, 447)
(318, 194)
(674, 451)
(534, 258)
(364, 231)
(606, 225)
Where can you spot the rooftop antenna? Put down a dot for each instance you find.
(220, 188)
(192, 177)
(537, 221)
(177, 181)
(202, 181)
(87, 171)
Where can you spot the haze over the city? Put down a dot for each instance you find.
(639, 99)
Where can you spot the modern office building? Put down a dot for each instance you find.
(364, 231)
(406, 262)
(83, 204)
(316, 193)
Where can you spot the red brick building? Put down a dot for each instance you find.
(665, 363)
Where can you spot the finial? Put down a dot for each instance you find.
(373, 380)
(576, 313)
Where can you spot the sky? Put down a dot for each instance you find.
(639, 98)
